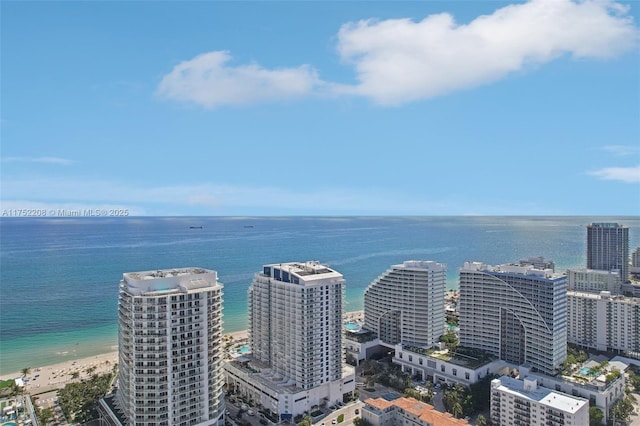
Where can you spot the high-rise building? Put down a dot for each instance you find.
(593, 280)
(517, 313)
(604, 322)
(635, 263)
(170, 350)
(523, 402)
(406, 304)
(295, 329)
(608, 248)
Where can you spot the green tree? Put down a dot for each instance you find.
(456, 409)
(79, 400)
(622, 410)
(595, 416)
(45, 416)
(306, 422)
(450, 339)
(482, 420)
(358, 421)
(25, 371)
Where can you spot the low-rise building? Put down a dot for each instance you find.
(255, 382)
(403, 411)
(601, 389)
(440, 366)
(523, 402)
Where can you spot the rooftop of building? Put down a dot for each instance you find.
(424, 411)
(261, 372)
(166, 273)
(300, 272)
(528, 389)
(169, 280)
(607, 295)
(464, 357)
(421, 265)
(513, 268)
(360, 336)
(598, 372)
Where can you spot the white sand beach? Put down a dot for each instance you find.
(57, 376)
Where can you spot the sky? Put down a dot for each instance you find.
(253, 108)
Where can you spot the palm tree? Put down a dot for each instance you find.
(46, 415)
(482, 420)
(75, 375)
(456, 410)
(25, 371)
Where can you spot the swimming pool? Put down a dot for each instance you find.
(244, 349)
(352, 326)
(10, 424)
(585, 371)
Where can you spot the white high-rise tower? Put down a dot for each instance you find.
(406, 304)
(295, 328)
(518, 313)
(170, 350)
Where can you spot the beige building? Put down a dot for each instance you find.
(406, 411)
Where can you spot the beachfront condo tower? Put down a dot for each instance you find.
(170, 350)
(608, 248)
(406, 304)
(295, 328)
(517, 313)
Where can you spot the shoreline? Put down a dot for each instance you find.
(56, 376)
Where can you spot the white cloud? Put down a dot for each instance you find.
(622, 150)
(399, 60)
(624, 174)
(47, 160)
(209, 81)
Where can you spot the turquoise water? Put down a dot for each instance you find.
(352, 326)
(59, 276)
(585, 371)
(244, 349)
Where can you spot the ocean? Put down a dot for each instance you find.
(59, 276)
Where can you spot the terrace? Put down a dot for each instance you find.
(464, 357)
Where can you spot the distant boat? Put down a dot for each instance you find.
(196, 227)
(248, 226)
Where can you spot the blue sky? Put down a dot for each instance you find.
(321, 108)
